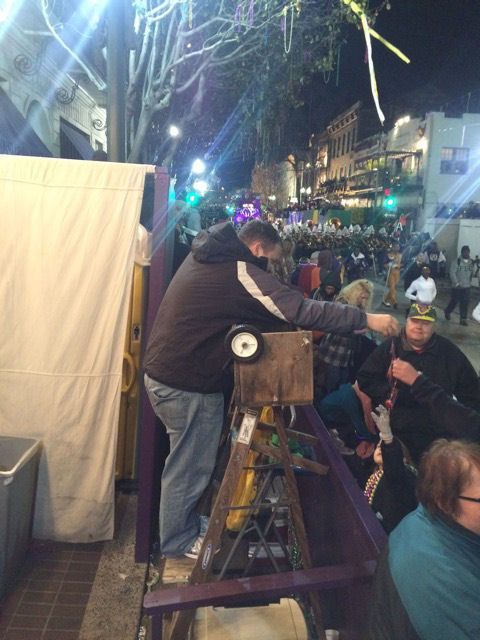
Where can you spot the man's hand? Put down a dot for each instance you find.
(382, 420)
(383, 323)
(404, 371)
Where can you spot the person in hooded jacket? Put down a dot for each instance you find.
(222, 282)
(356, 265)
(329, 287)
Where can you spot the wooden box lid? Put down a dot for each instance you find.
(282, 375)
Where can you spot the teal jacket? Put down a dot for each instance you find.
(435, 567)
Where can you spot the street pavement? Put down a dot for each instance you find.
(466, 338)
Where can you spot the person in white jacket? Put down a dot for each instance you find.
(423, 289)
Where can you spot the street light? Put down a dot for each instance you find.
(5, 10)
(173, 131)
(198, 166)
(201, 186)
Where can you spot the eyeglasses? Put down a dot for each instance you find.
(470, 499)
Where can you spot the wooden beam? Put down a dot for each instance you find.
(273, 586)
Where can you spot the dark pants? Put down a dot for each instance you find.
(462, 297)
(335, 377)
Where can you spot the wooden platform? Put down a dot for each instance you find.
(176, 571)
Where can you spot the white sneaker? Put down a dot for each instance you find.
(204, 520)
(195, 549)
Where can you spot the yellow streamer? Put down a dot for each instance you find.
(359, 12)
(373, 81)
(368, 31)
(389, 45)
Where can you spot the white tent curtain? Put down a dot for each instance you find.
(66, 258)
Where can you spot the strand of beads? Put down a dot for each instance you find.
(372, 484)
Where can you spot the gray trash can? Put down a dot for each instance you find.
(19, 458)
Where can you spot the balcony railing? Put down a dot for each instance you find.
(371, 181)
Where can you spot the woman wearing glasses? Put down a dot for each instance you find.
(427, 585)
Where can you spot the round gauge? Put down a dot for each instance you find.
(244, 343)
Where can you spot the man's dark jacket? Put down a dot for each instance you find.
(219, 284)
(414, 418)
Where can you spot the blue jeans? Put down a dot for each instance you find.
(193, 422)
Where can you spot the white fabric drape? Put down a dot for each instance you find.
(66, 257)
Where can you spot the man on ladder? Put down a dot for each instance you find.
(222, 282)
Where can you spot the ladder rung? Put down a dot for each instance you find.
(298, 461)
(306, 438)
(261, 505)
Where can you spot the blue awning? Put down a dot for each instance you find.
(17, 136)
(80, 142)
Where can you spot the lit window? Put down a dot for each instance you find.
(454, 160)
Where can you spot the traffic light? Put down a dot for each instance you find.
(390, 202)
(192, 198)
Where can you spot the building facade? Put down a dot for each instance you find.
(51, 93)
(342, 136)
(422, 167)
(451, 164)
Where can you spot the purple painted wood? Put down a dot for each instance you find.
(157, 628)
(337, 496)
(342, 528)
(230, 592)
(151, 447)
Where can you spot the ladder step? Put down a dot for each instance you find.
(304, 463)
(305, 438)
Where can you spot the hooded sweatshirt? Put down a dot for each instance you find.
(461, 272)
(221, 283)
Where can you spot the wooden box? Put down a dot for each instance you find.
(282, 375)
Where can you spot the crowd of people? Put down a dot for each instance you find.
(395, 399)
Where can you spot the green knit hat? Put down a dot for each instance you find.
(422, 312)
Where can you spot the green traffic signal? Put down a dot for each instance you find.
(192, 198)
(390, 203)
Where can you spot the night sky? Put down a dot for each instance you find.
(442, 39)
